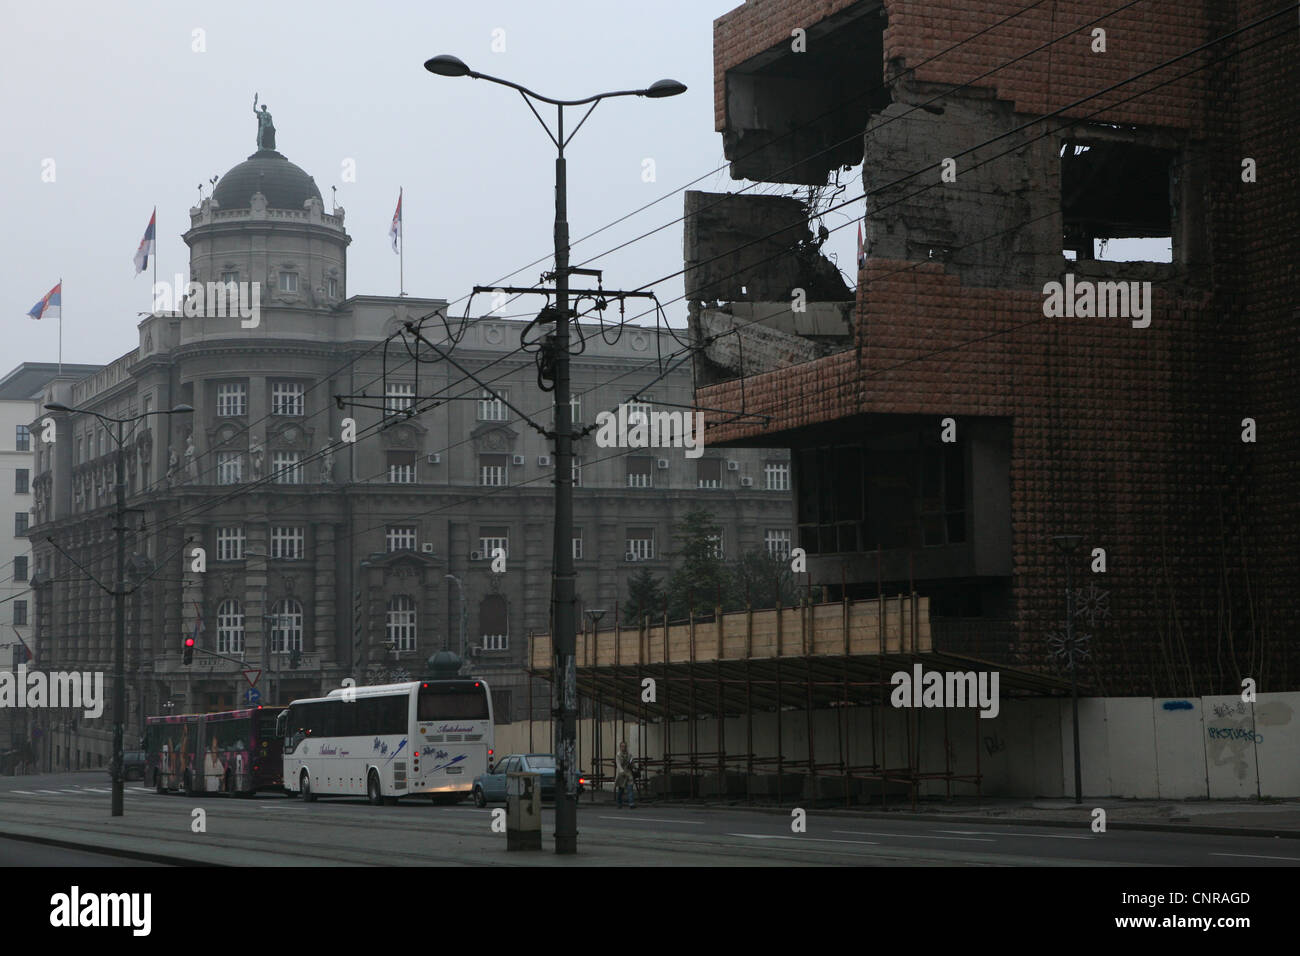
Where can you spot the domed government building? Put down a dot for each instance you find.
(324, 560)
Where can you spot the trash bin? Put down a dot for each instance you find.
(523, 811)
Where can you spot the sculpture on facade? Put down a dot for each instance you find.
(172, 463)
(191, 466)
(265, 128)
(255, 455)
(327, 462)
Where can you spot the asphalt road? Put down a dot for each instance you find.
(274, 830)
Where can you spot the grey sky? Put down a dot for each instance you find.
(134, 118)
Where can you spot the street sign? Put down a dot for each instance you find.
(252, 696)
(251, 675)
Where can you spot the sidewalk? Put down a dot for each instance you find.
(1280, 818)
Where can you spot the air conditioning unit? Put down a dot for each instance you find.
(517, 460)
(476, 555)
(427, 547)
(746, 482)
(661, 463)
(544, 461)
(435, 458)
(630, 556)
(475, 650)
(733, 466)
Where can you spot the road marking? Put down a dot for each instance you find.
(917, 836)
(782, 836)
(25, 793)
(1255, 856)
(689, 823)
(1032, 836)
(55, 792)
(98, 790)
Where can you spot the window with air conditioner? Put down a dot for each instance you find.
(489, 539)
(641, 543)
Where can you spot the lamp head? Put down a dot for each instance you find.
(57, 407)
(447, 65)
(1067, 542)
(181, 409)
(661, 88)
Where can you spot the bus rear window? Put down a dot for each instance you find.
(464, 702)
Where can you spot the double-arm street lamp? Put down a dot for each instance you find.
(119, 589)
(564, 639)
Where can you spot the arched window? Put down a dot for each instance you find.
(401, 622)
(492, 623)
(286, 626)
(230, 627)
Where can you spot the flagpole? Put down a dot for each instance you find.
(60, 325)
(401, 245)
(154, 220)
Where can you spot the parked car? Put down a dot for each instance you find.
(132, 765)
(490, 787)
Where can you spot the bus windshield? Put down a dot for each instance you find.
(465, 700)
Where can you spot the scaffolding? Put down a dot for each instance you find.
(680, 684)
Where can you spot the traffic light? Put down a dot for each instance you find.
(295, 658)
(189, 650)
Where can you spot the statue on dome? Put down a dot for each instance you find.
(265, 128)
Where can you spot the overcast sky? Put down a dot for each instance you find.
(133, 117)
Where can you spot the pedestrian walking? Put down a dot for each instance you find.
(625, 777)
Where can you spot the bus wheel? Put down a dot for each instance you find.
(189, 785)
(373, 793)
(305, 788)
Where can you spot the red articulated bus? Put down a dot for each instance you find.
(234, 751)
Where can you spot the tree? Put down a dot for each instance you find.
(700, 577)
(758, 580)
(645, 597)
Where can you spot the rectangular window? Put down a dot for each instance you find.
(575, 408)
(400, 537)
(491, 405)
(401, 467)
(20, 613)
(230, 467)
(575, 470)
(708, 473)
(777, 542)
(20, 568)
(23, 440)
(398, 398)
(496, 642)
(640, 472)
(492, 469)
(288, 282)
(286, 542)
(640, 409)
(489, 539)
(287, 398)
(715, 545)
(21, 476)
(230, 278)
(232, 400)
(641, 543)
(332, 287)
(20, 523)
(776, 476)
(230, 544)
(1116, 199)
(286, 467)
(577, 545)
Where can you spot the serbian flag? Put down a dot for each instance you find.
(146, 245)
(395, 231)
(50, 306)
(862, 259)
(23, 652)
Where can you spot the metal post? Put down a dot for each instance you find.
(119, 630)
(1074, 676)
(566, 797)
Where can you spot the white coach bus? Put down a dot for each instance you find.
(395, 740)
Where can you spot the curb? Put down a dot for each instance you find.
(141, 855)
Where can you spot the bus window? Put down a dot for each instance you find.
(458, 701)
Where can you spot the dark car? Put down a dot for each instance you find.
(490, 787)
(132, 765)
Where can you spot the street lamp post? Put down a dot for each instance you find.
(564, 640)
(119, 586)
(1067, 544)
(270, 660)
(460, 588)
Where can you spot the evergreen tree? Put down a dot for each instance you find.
(700, 576)
(645, 597)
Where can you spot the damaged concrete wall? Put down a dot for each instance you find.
(745, 256)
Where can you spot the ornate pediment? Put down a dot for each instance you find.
(291, 436)
(224, 434)
(406, 435)
(492, 438)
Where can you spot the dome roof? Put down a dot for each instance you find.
(284, 185)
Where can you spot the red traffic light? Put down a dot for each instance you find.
(189, 642)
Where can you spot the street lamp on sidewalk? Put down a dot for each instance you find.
(119, 589)
(460, 588)
(564, 640)
(1068, 544)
